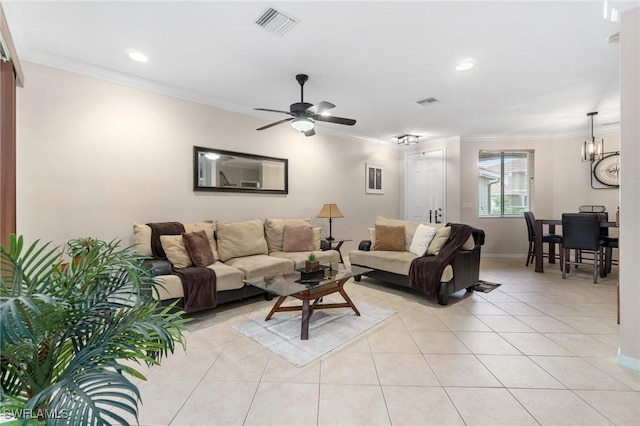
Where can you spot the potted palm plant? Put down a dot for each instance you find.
(70, 337)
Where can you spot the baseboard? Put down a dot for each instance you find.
(628, 362)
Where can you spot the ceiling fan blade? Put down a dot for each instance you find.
(272, 110)
(337, 120)
(320, 107)
(275, 124)
(309, 133)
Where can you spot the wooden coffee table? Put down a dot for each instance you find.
(290, 285)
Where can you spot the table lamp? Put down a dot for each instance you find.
(330, 211)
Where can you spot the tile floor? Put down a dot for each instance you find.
(537, 350)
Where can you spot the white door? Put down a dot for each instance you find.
(424, 187)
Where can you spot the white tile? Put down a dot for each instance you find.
(486, 343)
(352, 405)
(576, 373)
(348, 368)
(620, 408)
(281, 370)
(439, 342)
(284, 404)
(404, 369)
(582, 345)
(161, 411)
(482, 406)
(518, 371)
(546, 324)
(461, 370)
(535, 344)
(238, 365)
(217, 402)
(501, 323)
(517, 308)
(190, 364)
(410, 405)
(558, 407)
(463, 323)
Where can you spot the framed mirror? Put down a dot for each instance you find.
(228, 171)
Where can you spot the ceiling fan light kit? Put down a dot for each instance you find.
(302, 124)
(304, 115)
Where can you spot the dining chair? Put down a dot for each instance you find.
(581, 231)
(609, 244)
(530, 219)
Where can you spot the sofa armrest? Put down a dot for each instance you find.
(478, 236)
(365, 245)
(158, 266)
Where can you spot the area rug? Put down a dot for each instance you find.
(328, 329)
(485, 286)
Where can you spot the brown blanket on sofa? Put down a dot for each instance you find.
(199, 287)
(425, 272)
(198, 284)
(163, 228)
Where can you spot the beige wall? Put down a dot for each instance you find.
(96, 156)
(629, 353)
(561, 184)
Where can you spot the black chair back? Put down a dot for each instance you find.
(530, 219)
(581, 231)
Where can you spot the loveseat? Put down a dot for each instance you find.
(236, 251)
(398, 243)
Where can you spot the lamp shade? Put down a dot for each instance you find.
(330, 211)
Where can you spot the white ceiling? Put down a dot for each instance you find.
(540, 66)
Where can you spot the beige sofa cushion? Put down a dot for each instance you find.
(176, 252)
(297, 238)
(323, 256)
(227, 278)
(274, 231)
(240, 239)
(397, 262)
(441, 237)
(261, 265)
(389, 238)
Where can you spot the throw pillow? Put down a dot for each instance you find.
(421, 239)
(441, 237)
(209, 227)
(274, 231)
(175, 250)
(142, 238)
(297, 238)
(389, 238)
(240, 239)
(317, 236)
(199, 248)
(409, 228)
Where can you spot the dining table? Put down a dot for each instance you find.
(552, 223)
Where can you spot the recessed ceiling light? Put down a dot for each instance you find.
(466, 64)
(137, 56)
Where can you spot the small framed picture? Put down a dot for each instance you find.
(373, 179)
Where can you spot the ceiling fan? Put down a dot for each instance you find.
(304, 115)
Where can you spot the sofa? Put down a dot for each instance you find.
(234, 251)
(399, 243)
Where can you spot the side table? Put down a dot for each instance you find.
(333, 245)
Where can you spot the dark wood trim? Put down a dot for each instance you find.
(7, 151)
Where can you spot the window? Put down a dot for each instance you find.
(505, 180)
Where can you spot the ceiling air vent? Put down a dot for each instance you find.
(427, 101)
(275, 22)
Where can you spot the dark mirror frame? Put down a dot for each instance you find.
(198, 150)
